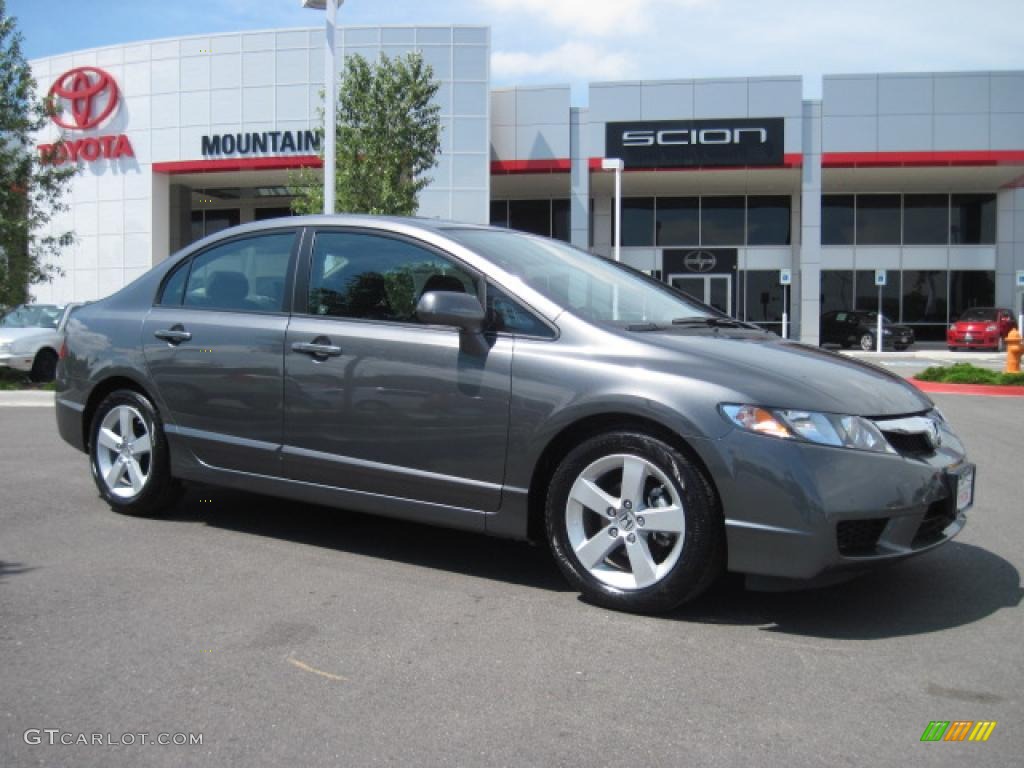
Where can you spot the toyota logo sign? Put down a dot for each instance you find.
(700, 261)
(88, 93)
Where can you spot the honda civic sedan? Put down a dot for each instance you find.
(512, 385)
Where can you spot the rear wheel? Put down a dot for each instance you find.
(867, 342)
(633, 524)
(44, 367)
(128, 456)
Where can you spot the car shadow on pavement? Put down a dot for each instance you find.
(954, 585)
(8, 568)
(515, 562)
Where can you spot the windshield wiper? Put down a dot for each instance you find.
(642, 327)
(711, 322)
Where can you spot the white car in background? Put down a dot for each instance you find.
(31, 336)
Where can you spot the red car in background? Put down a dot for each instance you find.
(981, 327)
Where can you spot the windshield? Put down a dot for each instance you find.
(588, 286)
(979, 314)
(31, 316)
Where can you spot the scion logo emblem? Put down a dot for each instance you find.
(699, 261)
(88, 93)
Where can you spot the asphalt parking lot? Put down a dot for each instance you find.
(294, 635)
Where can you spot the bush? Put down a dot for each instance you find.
(965, 373)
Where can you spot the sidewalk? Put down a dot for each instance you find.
(26, 399)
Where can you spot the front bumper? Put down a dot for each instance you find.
(809, 512)
(16, 362)
(972, 340)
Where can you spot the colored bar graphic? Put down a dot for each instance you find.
(982, 730)
(958, 730)
(935, 730)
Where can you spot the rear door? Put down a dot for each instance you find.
(391, 406)
(214, 345)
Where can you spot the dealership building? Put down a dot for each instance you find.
(730, 186)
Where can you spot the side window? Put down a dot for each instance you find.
(245, 275)
(506, 315)
(174, 287)
(371, 277)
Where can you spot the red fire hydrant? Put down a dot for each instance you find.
(1013, 352)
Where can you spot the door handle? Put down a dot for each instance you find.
(174, 335)
(316, 349)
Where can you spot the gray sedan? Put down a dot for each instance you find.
(508, 384)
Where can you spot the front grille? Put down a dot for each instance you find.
(938, 517)
(859, 537)
(913, 444)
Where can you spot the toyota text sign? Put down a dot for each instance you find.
(696, 143)
(83, 99)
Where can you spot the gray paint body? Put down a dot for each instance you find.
(405, 422)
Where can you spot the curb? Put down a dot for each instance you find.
(26, 399)
(990, 390)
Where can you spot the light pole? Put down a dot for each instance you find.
(330, 95)
(616, 164)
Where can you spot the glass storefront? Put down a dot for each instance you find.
(911, 219)
(548, 217)
(710, 221)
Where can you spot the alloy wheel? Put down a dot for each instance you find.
(124, 452)
(625, 521)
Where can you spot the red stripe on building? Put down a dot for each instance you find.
(983, 157)
(554, 165)
(239, 164)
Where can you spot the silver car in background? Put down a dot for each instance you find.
(508, 384)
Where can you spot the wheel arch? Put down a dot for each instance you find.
(583, 429)
(100, 392)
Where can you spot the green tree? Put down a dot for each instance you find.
(388, 138)
(31, 191)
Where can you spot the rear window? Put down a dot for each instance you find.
(979, 313)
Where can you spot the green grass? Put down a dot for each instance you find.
(965, 373)
(10, 380)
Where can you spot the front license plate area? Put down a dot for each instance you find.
(964, 489)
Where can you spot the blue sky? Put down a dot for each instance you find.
(576, 41)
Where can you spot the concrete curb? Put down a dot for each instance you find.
(26, 399)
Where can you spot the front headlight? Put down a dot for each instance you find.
(822, 428)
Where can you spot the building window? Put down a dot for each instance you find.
(925, 219)
(837, 219)
(560, 229)
(677, 221)
(499, 213)
(762, 298)
(209, 222)
(924, 301)
(637, 221)
(768, 220)
(973, 220)
(532, 216)
(836, 290)
(878, 219)
(866, 296)
(975, 288)
(722, 220)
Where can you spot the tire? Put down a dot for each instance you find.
(147, 490)
(867, 342)
(44, 367)
(641, 568)
(899, 347)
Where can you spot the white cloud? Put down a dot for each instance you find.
(592, 17)
(570, 60)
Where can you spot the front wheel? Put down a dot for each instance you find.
(128, 456)
(44, 366)
(633, 523)
(867, 342)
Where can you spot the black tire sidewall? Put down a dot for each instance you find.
(44, 366)
(159, 493)
(702, 558)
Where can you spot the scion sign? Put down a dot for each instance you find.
(693, 143)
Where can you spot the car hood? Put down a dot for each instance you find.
(767, 370)
(16, 334)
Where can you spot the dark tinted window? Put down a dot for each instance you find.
(721, 220)
(924, 296)
(637, 221)
(973, 219)
(530, 216)
(925, 219)
(836, 289)
(506, 315)
(678, 221)
(560, 220)
(211, 222)
(377, 278)
(262, 214)
(499, 213)
(763, 297)
(867, 293)
(245, 275)
(768, 220)
(837, 220)
(878, 219)
(971, 289)
(174, 287)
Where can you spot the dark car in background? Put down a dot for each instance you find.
(508, 384)
(981, 328)
(848, 328)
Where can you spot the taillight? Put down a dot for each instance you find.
(63, 350)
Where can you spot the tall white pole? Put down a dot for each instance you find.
(878, 343)
(618, 211)
(330, 110)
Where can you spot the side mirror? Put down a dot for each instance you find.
(462, 310)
